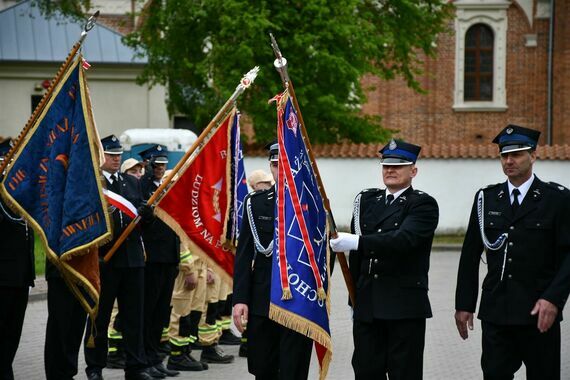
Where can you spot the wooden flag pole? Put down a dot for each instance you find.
(40, 107)
(280, 64)
(245, 82)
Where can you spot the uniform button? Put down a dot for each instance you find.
(375, 276)
(375, 261)
(510, 276)
(395, 224)
(491, 224)
(538, 224)
(371, 252)
(511, 227)
(379, 229)
(418, 283)
(510, 260)
(364, 224)
(511, 244)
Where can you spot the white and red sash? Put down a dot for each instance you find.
(121, 203)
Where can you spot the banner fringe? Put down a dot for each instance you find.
(194, 248)
(301, 325)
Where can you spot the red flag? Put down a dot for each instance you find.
(197, 205)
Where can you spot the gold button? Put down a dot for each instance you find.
(375, 261)
(375, 276)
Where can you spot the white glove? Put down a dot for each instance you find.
(345, 242)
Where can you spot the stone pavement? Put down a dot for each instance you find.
(447, 357)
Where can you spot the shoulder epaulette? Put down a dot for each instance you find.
(419, 192)
(557, 186)
(370, 190)
(489, 187)
(256, 193)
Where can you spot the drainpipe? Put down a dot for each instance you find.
(550, 74)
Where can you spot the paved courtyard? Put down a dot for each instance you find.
(446, 355)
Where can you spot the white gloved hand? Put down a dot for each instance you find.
(345, 242)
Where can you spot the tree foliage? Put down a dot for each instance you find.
(200, 50)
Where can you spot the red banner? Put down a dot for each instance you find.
(197, 205)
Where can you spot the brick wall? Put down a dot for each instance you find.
(430, 119)
(561, 90)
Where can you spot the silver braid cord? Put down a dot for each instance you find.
(258, 247)
(501, 240)
(356, 215)
(480, 213)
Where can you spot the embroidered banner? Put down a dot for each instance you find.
(300, 277)
(54, 183)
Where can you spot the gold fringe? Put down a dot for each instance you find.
(286, 294)
(194, 248)
(309, 329)
(301, 325)
(321, 293)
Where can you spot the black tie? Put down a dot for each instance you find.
(515, 205)
(389, 199)
(114, 183)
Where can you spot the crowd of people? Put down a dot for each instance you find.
(159, 299)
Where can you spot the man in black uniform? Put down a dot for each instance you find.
(162, 247)
(392, 233)
(16, 276)
(523, 225)
(274, 351)
(122, 277)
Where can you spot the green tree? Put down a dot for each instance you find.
(200, 50)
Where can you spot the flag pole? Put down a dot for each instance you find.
(280, 64)
(40, 107)
(245, 82)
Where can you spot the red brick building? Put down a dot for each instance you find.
(491, 69)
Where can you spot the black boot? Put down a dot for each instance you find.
(229, 339)
(214, 354)
(181, 361)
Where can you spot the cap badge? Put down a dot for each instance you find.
(392, 145)
(159, 148)
(509, 131)
(113, 138)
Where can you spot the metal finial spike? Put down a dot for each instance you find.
(248, 78)
(89, 25)
(91, 21)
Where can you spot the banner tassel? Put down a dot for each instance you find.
(321, 293)
(286, 294)
(91, 340)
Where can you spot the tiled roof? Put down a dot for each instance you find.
(27, 35)
(437, 151)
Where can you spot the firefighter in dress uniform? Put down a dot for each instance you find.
(162, 247)
(17, 274)
(523, 227)
(390, 244)
(122, 278)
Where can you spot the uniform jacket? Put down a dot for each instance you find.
(16, 251)
(162, 245)
(252, 273)
(390, 267)
(131, 252)
(537, 263)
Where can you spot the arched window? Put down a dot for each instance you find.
(478, 77)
